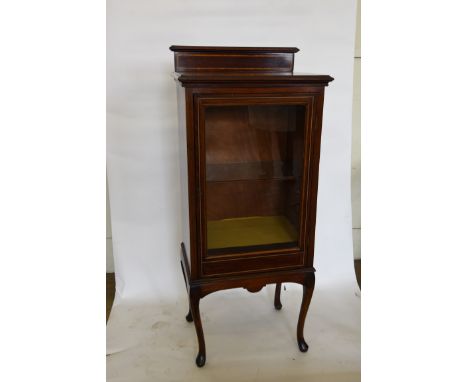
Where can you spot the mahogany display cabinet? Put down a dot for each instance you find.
(250, 146)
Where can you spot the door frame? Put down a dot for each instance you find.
(253, 261)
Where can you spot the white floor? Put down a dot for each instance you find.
(246, 338)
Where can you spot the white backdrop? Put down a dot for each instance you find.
(142, 138)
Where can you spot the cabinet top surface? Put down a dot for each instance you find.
(251, 78)
(232, 49)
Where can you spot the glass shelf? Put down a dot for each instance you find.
(225, 172)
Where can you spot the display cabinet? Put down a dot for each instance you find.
(250, 146)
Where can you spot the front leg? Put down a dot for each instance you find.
(307, 291)
(195, 315)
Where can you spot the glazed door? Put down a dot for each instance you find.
(253, 172)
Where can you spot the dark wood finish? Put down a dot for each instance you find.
(230, 170)
(230, 59)
(195, 313)
(307, 291)
(242, 80)
(247, 263)
(110, 293)
(278, 304)
(233, 49)
(357, 270)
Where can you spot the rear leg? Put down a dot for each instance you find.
(278, 304)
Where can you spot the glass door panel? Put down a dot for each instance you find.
(254, 168)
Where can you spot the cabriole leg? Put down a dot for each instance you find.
(307, 291)
(278, 305)
(195, 314)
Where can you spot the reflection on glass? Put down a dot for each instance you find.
(254, 158)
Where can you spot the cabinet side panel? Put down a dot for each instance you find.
(314, 174)
(184, 192)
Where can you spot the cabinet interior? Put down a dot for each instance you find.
(254, 168)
